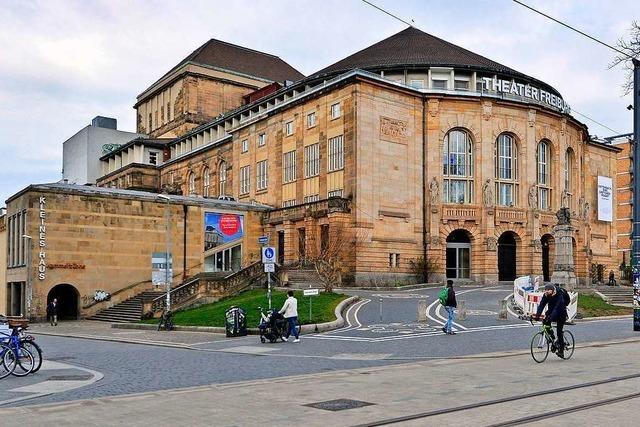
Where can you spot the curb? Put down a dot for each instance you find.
(391, 288)
(305, 329)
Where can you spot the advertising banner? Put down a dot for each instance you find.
(159, 268)
(222, 228)
(605, 199)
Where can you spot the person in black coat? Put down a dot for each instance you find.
(554, 299)
(52, 312)
(450, 306)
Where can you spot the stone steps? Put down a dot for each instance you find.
(127, 311)
(304, 279)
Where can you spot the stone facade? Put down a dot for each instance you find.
(623, 200)
(105, 240)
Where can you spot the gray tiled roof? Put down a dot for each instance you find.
(412, 47)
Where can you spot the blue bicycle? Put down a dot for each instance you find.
(16, 359)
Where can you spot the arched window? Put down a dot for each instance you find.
(192, 183)
(569, 164)
(222, 178)
(206, 181)
(506, 172)
(457, 162)
(543, 178)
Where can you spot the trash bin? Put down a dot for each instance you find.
(235, 322)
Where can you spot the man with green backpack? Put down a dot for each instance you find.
(447, 297)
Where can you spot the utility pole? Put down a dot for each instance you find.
(635, 243)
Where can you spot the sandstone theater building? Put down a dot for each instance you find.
(412, 148)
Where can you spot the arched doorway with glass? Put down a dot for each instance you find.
(67, 297)
(548, 253)
(458, 255)
(507, 249)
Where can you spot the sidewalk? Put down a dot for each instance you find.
(391, 391)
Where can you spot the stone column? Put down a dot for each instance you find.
(564, 267)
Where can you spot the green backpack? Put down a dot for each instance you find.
(443, 295)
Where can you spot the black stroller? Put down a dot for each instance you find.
(272, 325)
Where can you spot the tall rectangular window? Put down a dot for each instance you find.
(289, 167)
(262, 178)
(245, 179)
(288, 128)
(335, 110)
(336, 154)
(311, 120)
(312, 160)
(245, 145)
(262, 139)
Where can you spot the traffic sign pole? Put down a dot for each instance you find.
(269, 289)
(268, 257)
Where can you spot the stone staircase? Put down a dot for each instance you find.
(304, 279)
(127, 311)
(617, 295)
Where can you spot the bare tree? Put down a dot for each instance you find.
(632, 49)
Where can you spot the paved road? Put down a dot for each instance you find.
(171, 360)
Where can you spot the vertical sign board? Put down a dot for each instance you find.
(605, 199)
(635, 275)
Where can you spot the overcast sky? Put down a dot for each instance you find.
(64, 62)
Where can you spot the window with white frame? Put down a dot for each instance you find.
(418, 84)
(206, 181)
(288, 203)
(192, 183)
(153, 157)
(335, 193)
(245, 179)
(461, 84)
(311, 198)
(335, 149)
(335, 110)
(311, 120)
(262, 139)
(543, 178)
(457, 162)
(288, 128)
(439, 84)
(569, 164)
(222, 179)
(506, 170)
(312, 160)
(289, 167)
(262, 175)
(245, 145)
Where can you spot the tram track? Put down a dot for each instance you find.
(546, 415)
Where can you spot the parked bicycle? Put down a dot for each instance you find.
(542, 342)
(16, 358)
(166, 321)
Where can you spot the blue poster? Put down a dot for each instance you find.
(222, 228)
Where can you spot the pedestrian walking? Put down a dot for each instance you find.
(450, 305)
(52, 312)
(290, 312)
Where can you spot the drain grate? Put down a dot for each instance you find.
(339, 404)
(70, 377)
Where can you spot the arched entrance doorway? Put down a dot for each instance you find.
(458, 255)
(547, 243)
(507, 256)
(68, 298)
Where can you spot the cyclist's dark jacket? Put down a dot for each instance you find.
(451, 298)
(556, 307)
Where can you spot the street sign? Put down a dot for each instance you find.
(269, 268)
(263, 240)
(310, 292)
(268, 255)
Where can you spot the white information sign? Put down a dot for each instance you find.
(605, 199)
(310, 292)
(268, 255)
(269, 268)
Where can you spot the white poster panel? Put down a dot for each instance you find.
(605, 199)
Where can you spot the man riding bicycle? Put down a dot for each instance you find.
(555, 300)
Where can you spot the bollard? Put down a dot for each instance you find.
(462, 310)
(422, 311)
(502, 312)
(380, 310)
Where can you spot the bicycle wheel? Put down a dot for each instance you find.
(539, 347)
(7, 361)
(569, 344)
(25, 362)
(36, 352)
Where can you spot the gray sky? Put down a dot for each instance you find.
(64, 62)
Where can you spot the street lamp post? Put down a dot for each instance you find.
(29, 289)
(168, 248)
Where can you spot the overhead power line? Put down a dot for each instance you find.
(594, 121)
(574, 29)
(389, 13)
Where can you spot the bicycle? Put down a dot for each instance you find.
(542, 342)
(16, 359)
(166, 321)
(29, 342)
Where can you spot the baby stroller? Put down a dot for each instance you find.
(272, 325)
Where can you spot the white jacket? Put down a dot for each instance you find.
(290, 308)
